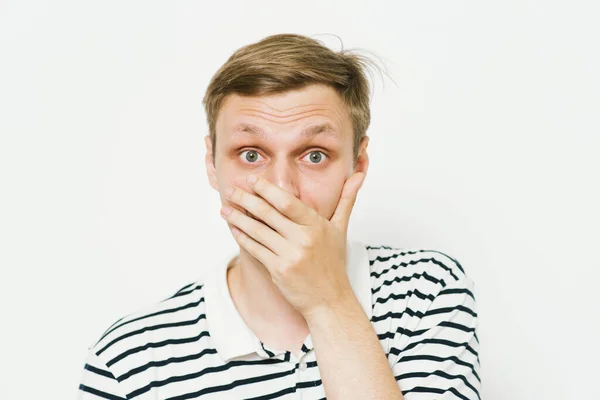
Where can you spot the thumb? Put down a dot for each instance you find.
(341, 216)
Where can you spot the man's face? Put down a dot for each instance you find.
(278, 137)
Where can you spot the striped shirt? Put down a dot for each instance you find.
(196, 345)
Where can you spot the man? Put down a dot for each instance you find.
(301, 312)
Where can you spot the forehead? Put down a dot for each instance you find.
(313, 105)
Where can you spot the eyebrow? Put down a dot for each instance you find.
(311, 131)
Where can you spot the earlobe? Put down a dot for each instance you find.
(209, 162)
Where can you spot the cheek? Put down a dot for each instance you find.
(231, 181)
(323, 196)
(228, 175)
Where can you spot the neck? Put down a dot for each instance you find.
(258, 300)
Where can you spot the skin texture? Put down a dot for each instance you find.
(283, 157)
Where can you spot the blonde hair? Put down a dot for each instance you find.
(285, 62)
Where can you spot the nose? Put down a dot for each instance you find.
(283, 174)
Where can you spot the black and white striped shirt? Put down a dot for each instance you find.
(196, 345)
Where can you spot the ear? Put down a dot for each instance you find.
(362, 161)
(211, 172)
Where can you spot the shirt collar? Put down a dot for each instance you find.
(229, 332)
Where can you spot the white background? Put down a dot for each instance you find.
(486, 148)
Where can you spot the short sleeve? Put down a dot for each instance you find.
(439, 358)
(98, 382)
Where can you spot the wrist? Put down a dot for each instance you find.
(339, 307)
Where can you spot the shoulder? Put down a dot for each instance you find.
(137, 328)
(417, 289)
(429, 271)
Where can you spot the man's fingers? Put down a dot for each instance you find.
(257, 250)
(286, 203)
(341, 216)
(262, 210)
(258, 231)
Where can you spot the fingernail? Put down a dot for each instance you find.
(228, 192)
(226, 210)
(252, 179)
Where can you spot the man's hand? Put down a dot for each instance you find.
(306, 257)
(304, 252)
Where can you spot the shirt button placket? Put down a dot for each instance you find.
(301, 368)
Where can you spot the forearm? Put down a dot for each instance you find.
(351, 360)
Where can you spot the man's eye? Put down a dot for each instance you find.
(251, 155)
(315, 157)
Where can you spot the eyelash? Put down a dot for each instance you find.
(313, 151)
